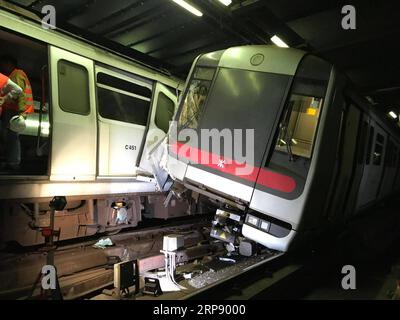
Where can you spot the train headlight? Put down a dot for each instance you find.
(264, 225)
(253, 220)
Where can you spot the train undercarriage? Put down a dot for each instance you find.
(87, 270)
(134, 227)
(23, 222)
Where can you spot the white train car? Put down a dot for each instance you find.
(321, 153)
(97, 116)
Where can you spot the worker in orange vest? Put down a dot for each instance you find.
(13, 110)
(9, 91)
(24, 104)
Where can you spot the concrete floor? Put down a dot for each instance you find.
(372, 246)
(373, 282)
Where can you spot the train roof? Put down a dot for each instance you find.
(24, 22)
(380, 118)
(264, 58)
(270, 58)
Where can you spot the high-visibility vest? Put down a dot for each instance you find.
(29, 108)
(3, 81)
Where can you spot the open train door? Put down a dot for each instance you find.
(163, 108)
(73, 150)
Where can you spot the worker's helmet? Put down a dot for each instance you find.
(17, 124)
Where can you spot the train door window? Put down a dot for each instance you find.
(123, 100)
(164, 112)
(369, 148)
(25, 153)
(195, 98)
(298, 126)
(378, 150)
(73, 84)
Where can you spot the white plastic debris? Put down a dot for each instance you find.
(230, 247)
(103, 243)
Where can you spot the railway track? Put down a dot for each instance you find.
(82, 269)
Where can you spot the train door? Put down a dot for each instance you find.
(390, 169)
(163, 109)
(123, 102)
(281, 184)
(396, 184)
(395, 164)
(394, 167)
(373, 167)
(73, 150)
(362, 143)
(26, 153)
(347, 156)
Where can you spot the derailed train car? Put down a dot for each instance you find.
(98, 114)
(320, 153)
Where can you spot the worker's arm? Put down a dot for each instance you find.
(20, 81)
(11, 91)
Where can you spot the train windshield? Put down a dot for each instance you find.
(195, 98)
(234, 117)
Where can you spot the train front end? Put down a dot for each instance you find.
(245, 133)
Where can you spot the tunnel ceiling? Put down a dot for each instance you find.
(163, 34)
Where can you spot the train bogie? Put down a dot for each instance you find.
(23, 222)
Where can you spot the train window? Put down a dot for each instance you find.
(73, 79)
(122, 100)
(165, 112)
(369, 149)
(123, 85)
(298, 126)
(378, 151)
(241, 100)
(195, 98)
(204, 73)
(299, 122)
(297, 131)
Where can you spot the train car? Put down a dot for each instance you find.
(311, 152)
(97, 116)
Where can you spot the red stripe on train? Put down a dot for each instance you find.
(267, 178)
